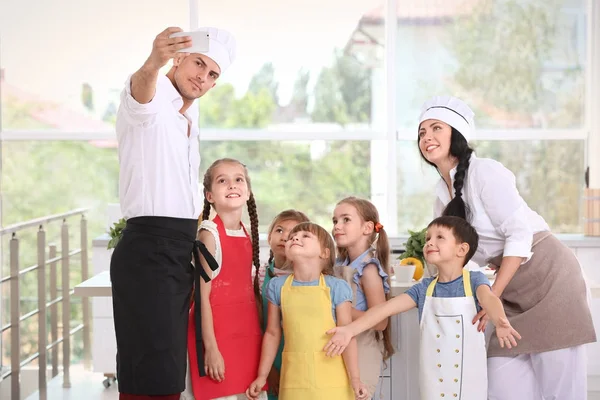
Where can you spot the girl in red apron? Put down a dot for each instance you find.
(539, 279)
(279, 232)
(308, 303)
(224, 335)
(363, 262)
(453, 355)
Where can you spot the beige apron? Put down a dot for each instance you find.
(546, 301)
(370, 349)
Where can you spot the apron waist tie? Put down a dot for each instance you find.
(200, 249)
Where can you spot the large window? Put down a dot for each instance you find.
(294, 79)
(293, 65)
(46, 177)
(306, 103)
(64, 62)
(521, 65)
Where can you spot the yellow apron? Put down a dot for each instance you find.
(306, 372)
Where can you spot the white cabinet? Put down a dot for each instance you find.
(384, 389)
(104, 346)
(104, 343)
(405, 363)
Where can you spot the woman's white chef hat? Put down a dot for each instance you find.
(452, 111)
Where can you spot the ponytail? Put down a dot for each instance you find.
(251, 203)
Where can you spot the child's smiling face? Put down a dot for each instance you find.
(441, 247)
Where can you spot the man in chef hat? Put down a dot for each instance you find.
(211, 62)
(151, 272)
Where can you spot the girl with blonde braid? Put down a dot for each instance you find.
(363, 261)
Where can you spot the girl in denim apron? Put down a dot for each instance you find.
(363, 261)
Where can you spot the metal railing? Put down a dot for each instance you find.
(52, 259)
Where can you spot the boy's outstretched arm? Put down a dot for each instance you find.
(343, 334)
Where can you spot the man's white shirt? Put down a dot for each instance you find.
(159, 163)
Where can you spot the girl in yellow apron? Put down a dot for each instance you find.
(308, 303)
(363, 262)
(453, 355)
(279, 232)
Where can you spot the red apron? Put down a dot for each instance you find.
(235, 319)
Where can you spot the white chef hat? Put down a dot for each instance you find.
(221, 45)
(452, 111)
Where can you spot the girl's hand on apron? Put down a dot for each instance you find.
(506, 334)
(483, 319)
(255, 388)
(360, 389)
(273, 381)
(338, 343)
(214, 365)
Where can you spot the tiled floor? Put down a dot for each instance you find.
(85, 385)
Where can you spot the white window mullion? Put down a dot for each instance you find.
(206, 135)
(47, 135)
(294, 134)
(514, 134)
(391, 33)
(308, 134)
(194, 17)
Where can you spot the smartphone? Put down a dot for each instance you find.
(199, 41)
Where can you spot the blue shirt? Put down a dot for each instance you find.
(454, 288)
(339, 289)
(359, 264)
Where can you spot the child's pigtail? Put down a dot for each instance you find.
(251, 203)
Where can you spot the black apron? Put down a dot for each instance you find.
(152, 279)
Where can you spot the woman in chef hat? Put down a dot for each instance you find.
(538, 278)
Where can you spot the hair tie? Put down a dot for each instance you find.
(378, 227)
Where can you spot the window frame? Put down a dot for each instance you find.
(385, 140)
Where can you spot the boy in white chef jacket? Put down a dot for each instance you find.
(453, 353)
